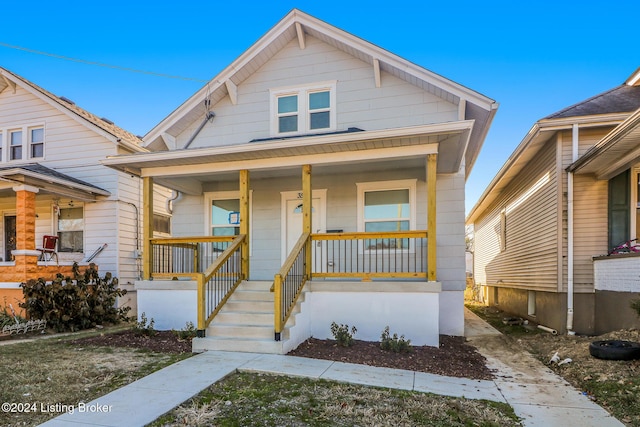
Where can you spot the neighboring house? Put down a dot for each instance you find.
(321, 156)
(52, 183)
(567, 194)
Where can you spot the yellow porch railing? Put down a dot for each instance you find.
(288, 284)
(366, 255)
(216, 282)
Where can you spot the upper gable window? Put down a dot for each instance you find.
(22, 143)
(15, 142)
(299, 110)
(36, 142)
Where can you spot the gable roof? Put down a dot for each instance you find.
(609, 108)
(296, 25)
(9, 80)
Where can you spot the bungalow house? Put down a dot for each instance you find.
(52, 184)
(564, 199)
(318, 179)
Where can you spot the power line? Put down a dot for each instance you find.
(100, 64)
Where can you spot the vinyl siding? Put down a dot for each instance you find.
(589, 212)
(75, 149)
(530, 257)
(359, 102)
(341, 214)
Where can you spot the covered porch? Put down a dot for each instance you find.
(29, 195)
(314, 219)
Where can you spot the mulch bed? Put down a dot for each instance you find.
(454, 358)
(161, 341)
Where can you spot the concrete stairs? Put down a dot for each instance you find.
(245, 323)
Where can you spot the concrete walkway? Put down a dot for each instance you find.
(537, 395)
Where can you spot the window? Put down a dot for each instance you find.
(304, 109)
(161, 224)
(387, 206)
(225, 217)
(71, 229)
(36, 142)
(503, 230)
(15, 152)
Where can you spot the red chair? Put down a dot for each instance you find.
(48, 249)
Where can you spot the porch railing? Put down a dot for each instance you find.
(367, 255)
(218, 271)
(186, 254)
(288, 284)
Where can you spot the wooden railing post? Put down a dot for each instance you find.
(244, 221)
(432, 259)
(277, 305)
(147, 226)
(201, 306)
(307, 214)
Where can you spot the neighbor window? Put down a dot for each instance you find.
(304, 109)
(36, 142)
(15, 141)
(161, 224)
(71, 229)
(387, 206)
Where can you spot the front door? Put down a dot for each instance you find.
(9, 236)
(292, 217)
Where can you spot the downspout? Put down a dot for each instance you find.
(175, 197)
(574, 157)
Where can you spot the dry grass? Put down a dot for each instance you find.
(54, 371)
(246, 399)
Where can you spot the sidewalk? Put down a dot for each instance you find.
(537, 395)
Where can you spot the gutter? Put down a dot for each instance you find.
(570, 266)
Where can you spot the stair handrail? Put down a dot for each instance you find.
(285, 300)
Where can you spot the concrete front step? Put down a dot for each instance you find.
(246, 345)
(245, 323)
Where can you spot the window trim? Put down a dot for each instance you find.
(84, 226)
(304, 112)
(402, 184)
(26, 142)
(209, 197)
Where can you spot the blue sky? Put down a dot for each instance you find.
(533, 58)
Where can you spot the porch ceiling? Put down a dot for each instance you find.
(449, 140)
(48, 181)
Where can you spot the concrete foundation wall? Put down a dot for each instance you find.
(613, 311)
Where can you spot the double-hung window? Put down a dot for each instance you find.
(71, 229)
(387, 206)
(36, 142)
(15, 142)
(299, 110)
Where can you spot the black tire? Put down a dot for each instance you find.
(615, 350)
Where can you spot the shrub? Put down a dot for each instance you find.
(73, 304)
(393, 343)
(144, 328)
(342, 335)
(186, 333)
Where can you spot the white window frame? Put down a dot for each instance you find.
(304, 113)
(209, 197)
(26, 142)
(63, 206)
(403, 184)
(31, 143)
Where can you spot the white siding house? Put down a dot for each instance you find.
(340, 166)
(51, 150)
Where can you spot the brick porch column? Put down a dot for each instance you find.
(25, 255)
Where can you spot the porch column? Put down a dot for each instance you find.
(432, 166)
(25, 254)
(307, 201)
(244, 220)
(147, 226)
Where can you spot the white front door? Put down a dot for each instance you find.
(292, 217)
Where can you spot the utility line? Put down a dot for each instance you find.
(100, 64)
